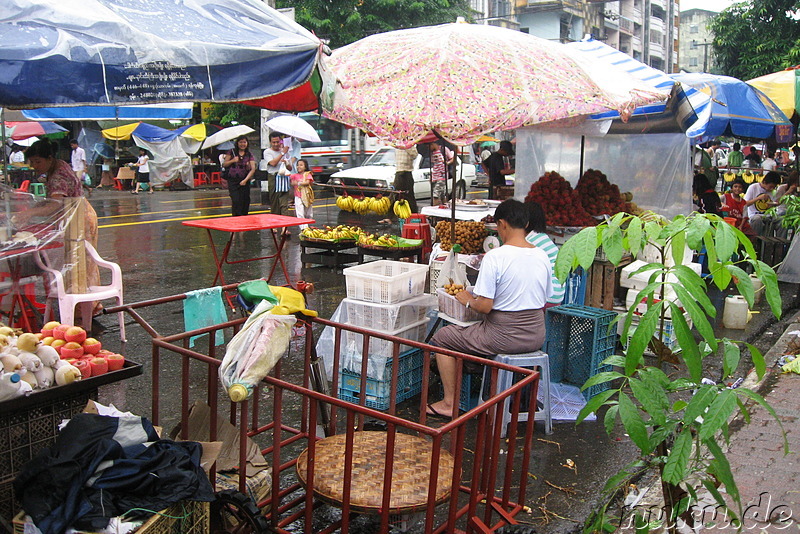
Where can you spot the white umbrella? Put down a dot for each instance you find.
(294, 126)
(226, 134)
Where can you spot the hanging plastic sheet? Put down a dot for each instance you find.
(169, 161)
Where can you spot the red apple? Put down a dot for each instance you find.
(60, 331)
(115, 361)
(57, 344)
(84, 367)
(91, 346)
(71, 350)
(47, 329)
(48, 340)
(75, 334)
(99, 366)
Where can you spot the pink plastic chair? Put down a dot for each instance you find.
(68, 301)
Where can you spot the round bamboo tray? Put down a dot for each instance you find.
(410, 473)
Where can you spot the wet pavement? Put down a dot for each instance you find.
(160, 257)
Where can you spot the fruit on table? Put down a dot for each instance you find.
(115, 361)
(99, 366)
(378, 204)
(91, 346)
(561, 204)
(27, 342)
(47, 329)
(372, 240)
(57, 344)
(340, 232)
(84, 367)
(598, 196)
(75, 334)
(71, 349)
(60, 331)
(469, 234)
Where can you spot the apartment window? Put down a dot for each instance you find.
(694, 29)
(693, 46)
(692, 61)
(525, 30)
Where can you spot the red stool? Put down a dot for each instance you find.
(419, 230)
(216, 178)
(200, 178)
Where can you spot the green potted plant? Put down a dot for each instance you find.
(675, 422)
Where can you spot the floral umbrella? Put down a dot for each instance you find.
(462, 81)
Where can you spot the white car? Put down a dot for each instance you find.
(379, 169)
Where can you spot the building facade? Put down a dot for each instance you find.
(695, 45)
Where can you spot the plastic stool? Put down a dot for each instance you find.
(418, 230)
(216, 178)
(505, 379)
(37, 188)
(200, 178)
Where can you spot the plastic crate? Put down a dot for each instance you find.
(436, 269)
(578, 340)
(385, 281)
(388, 316)
(26, 431)
(378, 392)
(450, 306)
(383, 347)
(184, 517)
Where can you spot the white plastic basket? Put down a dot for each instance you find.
(385, 281)
(436, 269)
(449, 305)
(382, 348)
(388, 316)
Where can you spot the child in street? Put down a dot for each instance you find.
(302, 182)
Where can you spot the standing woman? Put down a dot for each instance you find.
(142, 172)
(241, 167)
(60, 182)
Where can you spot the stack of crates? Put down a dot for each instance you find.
(387, 297)
(578, 339)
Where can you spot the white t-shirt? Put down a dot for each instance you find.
(269, 155)
(144, 166)
(516, 278)
(78, 160)
(752, 192)
(768, 164)
(17, 157)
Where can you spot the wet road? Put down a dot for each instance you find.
(161, 257)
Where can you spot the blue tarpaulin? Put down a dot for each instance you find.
(90, 52)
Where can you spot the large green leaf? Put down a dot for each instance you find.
(594, 404)
(641, 338)
(612, 244)
(698, 316)
(586, 247)
(699, 402)
(632, 421)
(773, 294)
(601, 378)
(655, 375)
(752, 395)
(634, 234)
(566, 260)
(678, 247)
(678, 459)
(615, 359)
(745, 243)
(695, 285)
(690, 352)
(712, 261)
(610, 418)
(652, 230)
(653, 400)
(743, 283)
(725, 240)
(722, 468)
(697, 228)
(758, 360)
(731, 354)
(718, 413)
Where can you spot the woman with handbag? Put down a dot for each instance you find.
(241, 167)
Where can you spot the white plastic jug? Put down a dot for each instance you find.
(736, 314)
(758, 287)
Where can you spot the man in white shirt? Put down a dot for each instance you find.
(78, 159)
(279, 184)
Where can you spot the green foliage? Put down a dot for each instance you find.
(674, 421)
(343, 21)
(226, 114)
(756, 38)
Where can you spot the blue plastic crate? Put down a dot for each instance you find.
(575, 287)
(578, 339)
(470, 391)
(378, 392)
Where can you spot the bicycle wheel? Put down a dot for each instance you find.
(235, 512)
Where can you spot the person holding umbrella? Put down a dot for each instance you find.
(241, 167)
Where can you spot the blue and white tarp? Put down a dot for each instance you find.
(90, 52)
(689, 107)
(174, 111)
(736, 109)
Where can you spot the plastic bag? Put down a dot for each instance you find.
(254, 351)
(450, 273)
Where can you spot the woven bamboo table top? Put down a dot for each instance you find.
(410, 474)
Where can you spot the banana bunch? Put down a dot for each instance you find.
(748, 177)
(339, 233)
(372, 240)
(362, 206)
(380, 204)
(402, 209)
(345, 202)
(729, 177)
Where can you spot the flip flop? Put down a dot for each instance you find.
(431, 412)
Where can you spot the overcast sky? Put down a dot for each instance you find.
(711, 5)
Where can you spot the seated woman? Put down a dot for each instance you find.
(512, 289)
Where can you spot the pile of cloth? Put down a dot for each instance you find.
(102, 467)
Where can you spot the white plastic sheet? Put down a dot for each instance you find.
(169, 161)
(656, 168)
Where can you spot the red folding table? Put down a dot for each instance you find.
(247, 223)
